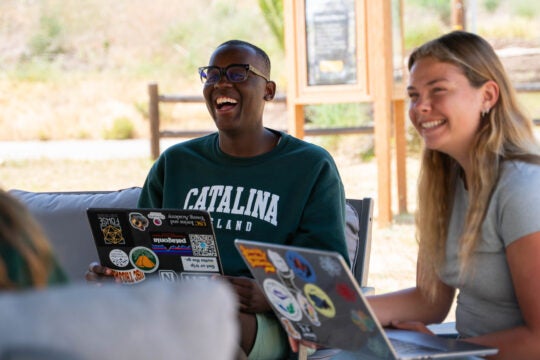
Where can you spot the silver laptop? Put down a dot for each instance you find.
(316, 298)
(171, 244)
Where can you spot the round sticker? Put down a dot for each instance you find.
(282, 299)
(308, 309)
(144, 259)
(278, 261)
(320, 300)
(119, 258)
(300, 266)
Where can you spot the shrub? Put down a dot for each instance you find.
(122, 129)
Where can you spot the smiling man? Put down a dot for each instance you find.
(257, 183)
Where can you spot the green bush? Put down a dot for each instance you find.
(121, 129)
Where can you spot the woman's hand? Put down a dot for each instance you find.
(99, 274)
(250, 296)
(412, 325)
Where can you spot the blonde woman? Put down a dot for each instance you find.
(478, 224)
(26, 259)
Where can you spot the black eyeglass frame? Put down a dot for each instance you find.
(223, 72)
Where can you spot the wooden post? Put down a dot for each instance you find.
(401, 154)
(458, 15)
(153, 114)
(380, 50)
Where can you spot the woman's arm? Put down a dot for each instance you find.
(523, 257)
(410, 305)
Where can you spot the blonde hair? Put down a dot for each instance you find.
(505, 133)
(20, 232)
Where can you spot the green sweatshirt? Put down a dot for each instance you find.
(292, 195)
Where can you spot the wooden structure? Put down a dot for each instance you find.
(342, 51)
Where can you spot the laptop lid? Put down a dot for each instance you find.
(316, 298)
(167, 243)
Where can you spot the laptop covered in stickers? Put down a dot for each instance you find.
(316, 298)
(170, 244)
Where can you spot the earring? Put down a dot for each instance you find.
(484, 112)
(267, 97)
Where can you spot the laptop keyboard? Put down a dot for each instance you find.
(403, 347)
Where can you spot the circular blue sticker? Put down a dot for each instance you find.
(301, 267)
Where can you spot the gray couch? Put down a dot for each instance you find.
(152, 320)
(63, 217)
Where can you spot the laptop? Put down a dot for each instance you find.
(170, 244)
(316, 298)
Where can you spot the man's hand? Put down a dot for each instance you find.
(99, 274)
(250, 295)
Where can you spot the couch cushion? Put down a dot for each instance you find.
(152, 320)
(63, 217)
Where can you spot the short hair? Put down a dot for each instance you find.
(260, 52)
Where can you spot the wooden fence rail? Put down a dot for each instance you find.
(156, 133)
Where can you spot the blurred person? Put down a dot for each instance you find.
(257, 183)
(26, 257)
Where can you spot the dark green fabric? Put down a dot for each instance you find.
(18, 270)
(291, 195)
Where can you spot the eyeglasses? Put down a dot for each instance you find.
(234, 73)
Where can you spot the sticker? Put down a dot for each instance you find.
(170, 243)
(307, 332)
(201, 264)
(281, 298)
(362, 320)
(144, 259)
(346, 292)
(257, 258)
(320, 300)
(156, 217)
(203, 245)
(129, 277)
(289, 327)
(197, 276)
(278, 261)
(119, 258)
(330, 265)
(111, 230)
(300, 266)
(308, 309)
(168, 275)
(138, 221)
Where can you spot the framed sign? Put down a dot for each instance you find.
(330, 44)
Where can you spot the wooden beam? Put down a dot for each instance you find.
(381, 83)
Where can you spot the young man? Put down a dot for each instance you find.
(257, 183)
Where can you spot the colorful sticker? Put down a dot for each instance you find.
(156, 217)
(308, 309)
(362, 320)
(281, 298)
(171, 243)
(144, 259)
(138, 221)
(320, 300)
(129, 277)
(111, 230)
(119, 258)
(300, 266)
(346, 292)
(257, 258)
(289, 327)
